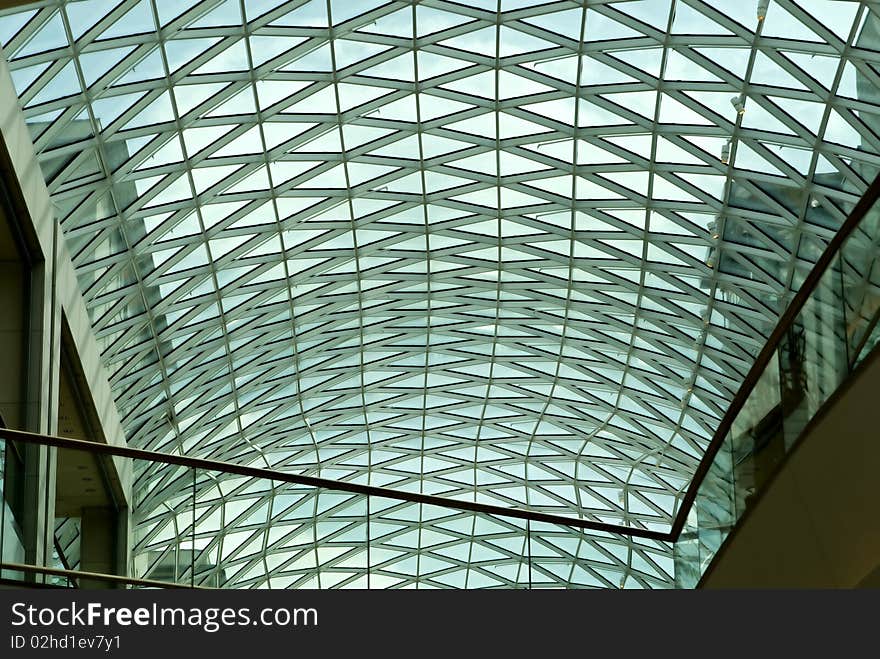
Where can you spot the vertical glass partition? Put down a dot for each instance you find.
(237, 531)
(215, 528)
(860, 276)
(830, 336)
(11, 538)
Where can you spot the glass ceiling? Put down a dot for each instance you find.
(516, 252)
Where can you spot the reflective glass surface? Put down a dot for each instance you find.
(517, 252)
(829, 338)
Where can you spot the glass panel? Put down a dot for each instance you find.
(860, 265)
(11, 536)
(813, 359)
(260, 533)
(165, 538)
(67, 546)
(224, 530)
(756, 438)
(832, 330)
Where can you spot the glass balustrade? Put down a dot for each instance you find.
(834, 331)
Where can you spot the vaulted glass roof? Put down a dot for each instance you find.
(518, 252)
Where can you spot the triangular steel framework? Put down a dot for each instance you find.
(518, 252)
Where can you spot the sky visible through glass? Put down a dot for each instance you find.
(514, 252)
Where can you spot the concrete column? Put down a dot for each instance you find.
(28, 388)
(98, 544)
(13, 325)
(40, 413)
(51, 286)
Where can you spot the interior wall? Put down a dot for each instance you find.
(816, 524)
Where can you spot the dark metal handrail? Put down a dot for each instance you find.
(80, 574)
(324, 483)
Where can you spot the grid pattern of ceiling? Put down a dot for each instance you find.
(518, 252)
